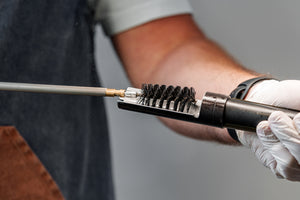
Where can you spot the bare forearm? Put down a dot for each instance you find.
(200, 65)
(183, 56)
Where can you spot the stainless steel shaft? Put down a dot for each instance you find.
(59, 89)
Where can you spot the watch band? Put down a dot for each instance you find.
(240, 93)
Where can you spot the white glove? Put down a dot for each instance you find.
(277, 142)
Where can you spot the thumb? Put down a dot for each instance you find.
(268, 140)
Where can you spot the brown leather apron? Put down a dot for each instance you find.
(22, 174)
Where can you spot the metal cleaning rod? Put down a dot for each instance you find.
(60, 89)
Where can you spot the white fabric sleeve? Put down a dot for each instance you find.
(119, 15)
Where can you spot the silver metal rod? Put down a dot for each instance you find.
(54, 89)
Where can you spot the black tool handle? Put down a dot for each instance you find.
(223, 111)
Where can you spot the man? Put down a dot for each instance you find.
(158, 41)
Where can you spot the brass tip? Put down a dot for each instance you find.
(114, 92)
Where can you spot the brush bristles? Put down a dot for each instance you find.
(162, 96)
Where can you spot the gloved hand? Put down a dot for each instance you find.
(277, 142)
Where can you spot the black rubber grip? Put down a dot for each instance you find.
(223, 111)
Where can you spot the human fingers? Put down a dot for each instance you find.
(285, 148)
(287, 131)
(268, 140)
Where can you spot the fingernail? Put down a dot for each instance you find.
(263, 126)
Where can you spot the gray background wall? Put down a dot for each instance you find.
(151, 162)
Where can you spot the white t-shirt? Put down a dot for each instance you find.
(120, 15)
